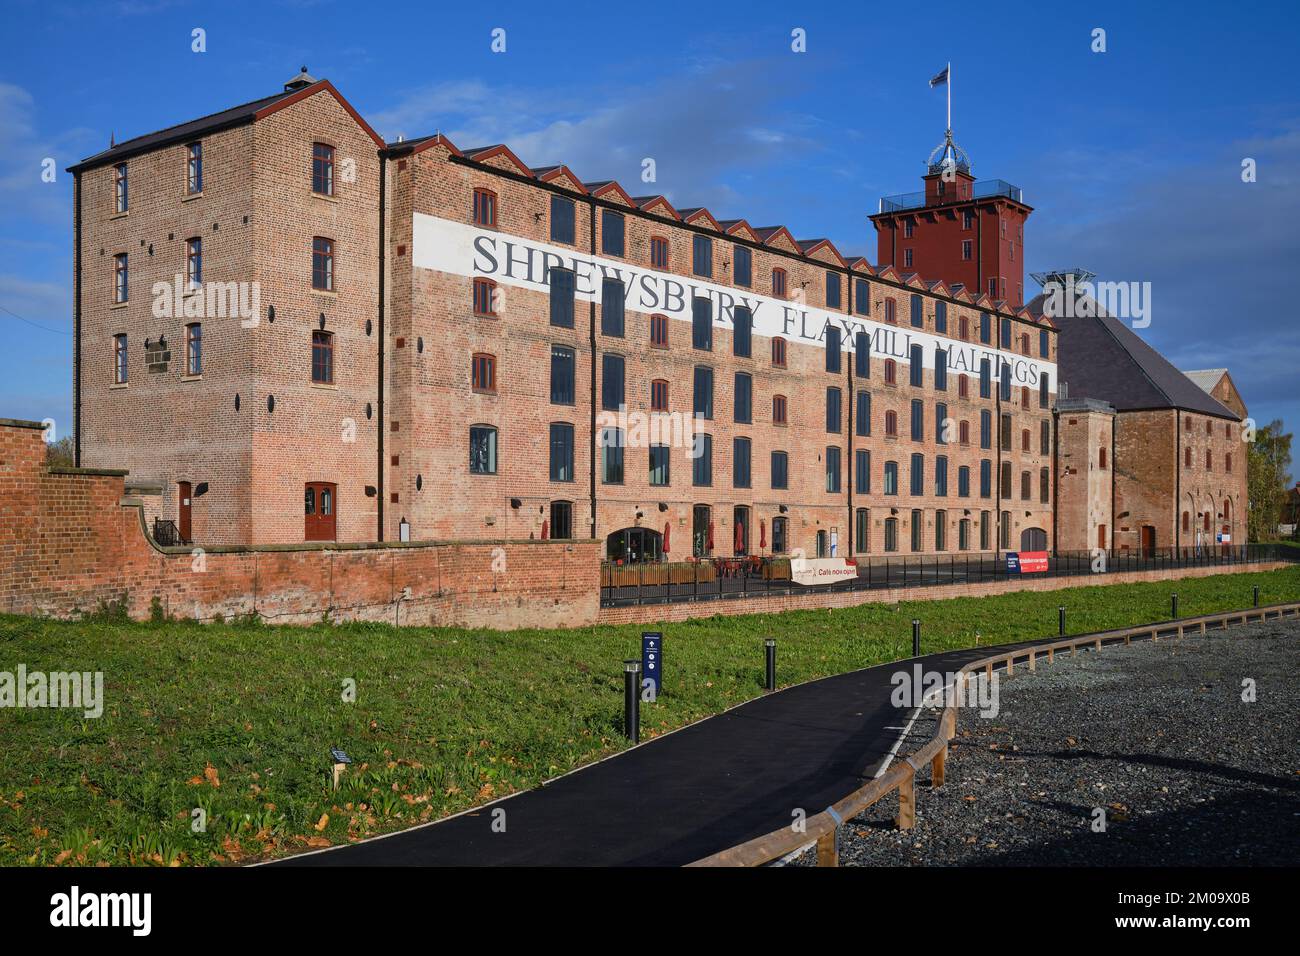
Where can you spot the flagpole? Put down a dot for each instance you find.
(949, 85)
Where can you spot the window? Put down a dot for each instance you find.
(483, 372)
(1024, 396)
(963, 481)
(485, 208)
(562, 292)
(1209, 428)
(1024, 343)
(891, 477)
(1227, 462)
(119, 359)
(121, 278)
(121, 192)
(907, 258)
(562, 519)
(1005, 489)
(740, 459)
(891, 372)
(918, 316)
(194, 168)
(1043, 347)
(986, 429)
(485, 294)
(916, 366)
(1004, 432)
(963, 386)
(861, 297)
(941, 423)
(659, 331)
(891, 534)
(611, 456)
(963, 432)
(1187, 522)
(778, 283)
(702, 461)
(1209, 460)
(1005, 533)
(984, 530)
(986, 478)
(780, 473)
(611, 232)
(778, 352)
(1043, 485)
(986, 333)
(744, 398)
(703, 404)
(322, 169)
(832, 469)
(967, 219)
(702, 324)
(659, 395)
(941, 317)
(563, 368)
(658, 252)
(612, 394)
(611, 307)
(742, 334)
(862, 355)
(832, 349)
(941, 530)
(916, 529)
(660, 465)
(909, 227)
(918, 420)
(1101, 458)
(563, 227)
(862, 471)
(862, 411)
(966, 249)
(1006, 334)
(963, 534)
(862, 531)
(1026, 490)
(941, 370)
(986, 378)
(780, 536)
(1187, 457)
(1004, 382)
(702, 256)
(744, 266)
(322, 357)
(832, 290)
(322, 264)
(916, 475)
(1044, 437)
(194, 349)
(891, 312)
(193, 263)
(778, 410)
(1024, 439)
(833, 410)
(561, 451)
(482, 450)
(891, 423)
(941, 476)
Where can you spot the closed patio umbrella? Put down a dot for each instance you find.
(546, 529)
(740, 537)
(762, 534)
(668, 531)
(708, 544)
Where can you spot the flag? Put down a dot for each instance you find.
(940, 78)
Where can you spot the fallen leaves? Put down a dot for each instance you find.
(322, 823)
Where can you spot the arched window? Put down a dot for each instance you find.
(485, 208)
(485, 295)
(1024, 439)
(659, 395)
(778, 352)
(778, 410)
(483, 372)
(891, 423)
(891, 372)
(322, 357)
(778, 283)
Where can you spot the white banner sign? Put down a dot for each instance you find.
(465, 250)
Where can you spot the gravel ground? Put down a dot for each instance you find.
(1155, 734)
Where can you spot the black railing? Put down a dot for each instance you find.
(712, 579)
(166, 533)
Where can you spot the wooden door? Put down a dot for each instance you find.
(183, 512)
(320, 503)
(1148, 541)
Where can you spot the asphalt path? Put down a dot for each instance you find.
(682, 796)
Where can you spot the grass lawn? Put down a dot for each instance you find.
(238, 719)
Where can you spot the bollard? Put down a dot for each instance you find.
(1060, 620)
(632, 701)
(916, 637)
(1173, 606)
(769, 647)
(1255, 589)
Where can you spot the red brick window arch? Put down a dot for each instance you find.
(485, 295)
(778, 352)
(778, 410)
(483, 372)
(485, 208)
(778, 282)
(659, 395)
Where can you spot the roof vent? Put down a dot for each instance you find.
(303, 79)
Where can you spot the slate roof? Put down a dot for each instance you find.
(1101, 357)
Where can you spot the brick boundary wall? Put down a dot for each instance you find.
(71, 541)
(669, 613)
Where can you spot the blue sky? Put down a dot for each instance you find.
(1131, 158)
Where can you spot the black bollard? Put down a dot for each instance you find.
(632, 701)
(916, 637)
(1173, 606)
(769, 646)
(1060, 620)
(1256, 590)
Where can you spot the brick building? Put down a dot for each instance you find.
(450, 344)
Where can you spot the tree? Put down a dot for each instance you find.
(58, 454)
(1267, 479)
